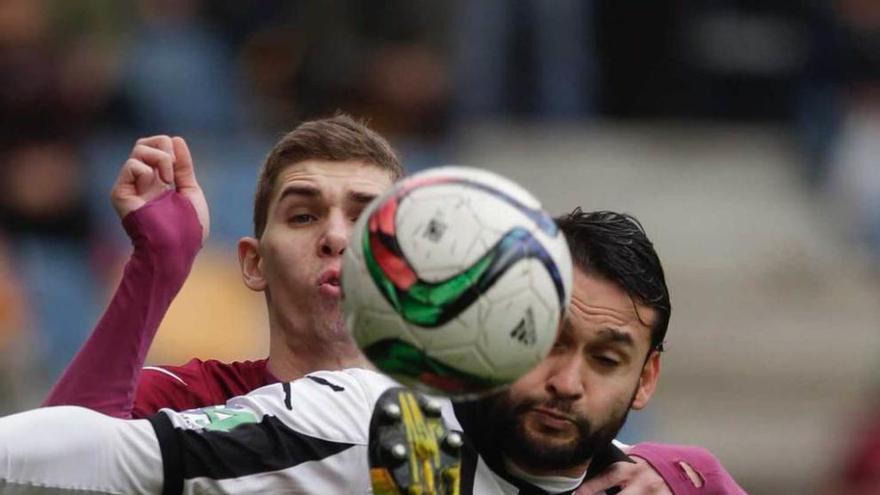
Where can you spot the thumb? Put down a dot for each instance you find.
(184, 172)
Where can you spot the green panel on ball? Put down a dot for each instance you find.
(396, 357)
(423, 303)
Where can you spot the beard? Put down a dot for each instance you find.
(529, 451)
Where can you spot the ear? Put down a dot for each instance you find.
(647, 381)
(251, 264)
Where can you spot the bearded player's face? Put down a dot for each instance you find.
(575, 401)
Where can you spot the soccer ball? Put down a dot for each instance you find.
(455, 281)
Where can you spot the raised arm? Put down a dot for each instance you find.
(165, 214)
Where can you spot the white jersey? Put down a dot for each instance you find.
(309, 436)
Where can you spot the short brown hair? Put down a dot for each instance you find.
(336, 139)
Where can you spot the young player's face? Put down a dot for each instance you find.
(576, 399)
(311, 214)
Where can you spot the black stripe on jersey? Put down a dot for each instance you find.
(247, 449)
(286, 387)
(321, 381)
(171, 460)
(469, 460)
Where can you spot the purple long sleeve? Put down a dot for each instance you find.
(167, 236)
(665, 459)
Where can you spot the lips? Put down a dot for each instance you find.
(553, 417)
(328, 283)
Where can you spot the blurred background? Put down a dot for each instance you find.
(744, 134)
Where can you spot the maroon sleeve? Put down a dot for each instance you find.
(166, 235)
(666, 459)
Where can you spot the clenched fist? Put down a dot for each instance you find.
(156, 164)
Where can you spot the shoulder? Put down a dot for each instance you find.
(350, 389)
(234, 378)
(183, 375)
(246, 371)
(194, 384)
(361, 380)
(323, 404)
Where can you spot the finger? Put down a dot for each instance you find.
(641, 478)
(184, 171)
(136, 184)
(156, 158)
(134, 176)
(137, 173)
(162, 142)
(611, 477)
(654, 487)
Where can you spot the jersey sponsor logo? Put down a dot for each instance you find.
(218, 418)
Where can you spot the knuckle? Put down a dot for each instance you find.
(621, 468)
(116, 195)
(165, 143)
(140, 150)
(615, 474)
(657, 487)
(157, 142)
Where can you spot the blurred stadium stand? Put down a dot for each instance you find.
(773, 340)
(744, 134)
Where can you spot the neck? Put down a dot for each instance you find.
(295, 352)
(552, 482)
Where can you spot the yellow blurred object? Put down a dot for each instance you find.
(405, 452)
(214, 317)
(12, 303)
(383, 483)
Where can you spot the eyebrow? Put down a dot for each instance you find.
(311, 192)
(610, 335)
(302, 191)
(361, 197)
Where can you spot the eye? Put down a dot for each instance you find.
(605, 361)
(356, 214)
(302, 219)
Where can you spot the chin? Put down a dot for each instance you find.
(330, 304)
(337, 329)
(551, 437)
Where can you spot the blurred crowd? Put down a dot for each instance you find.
(80, 80)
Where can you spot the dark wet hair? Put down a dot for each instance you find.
(615, 247)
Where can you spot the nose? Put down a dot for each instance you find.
(334, 239)
(566, 378)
